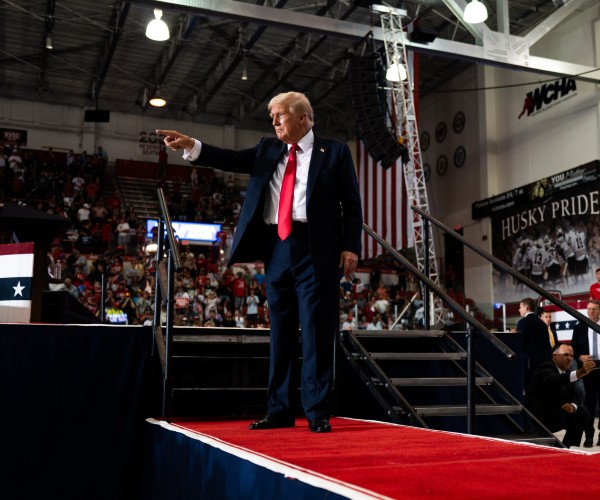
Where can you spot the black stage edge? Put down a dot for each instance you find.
(74, 400)
(179, 467)
(62, 308)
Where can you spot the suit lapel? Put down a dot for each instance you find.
(316, 162)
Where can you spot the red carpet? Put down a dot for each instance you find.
(406, 462)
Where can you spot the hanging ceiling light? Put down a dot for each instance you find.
(157, 100)
(475, 12)
(157, 29)
(49, 42)
(396, 73)
(244, 74)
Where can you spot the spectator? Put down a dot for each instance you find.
(252, 302)
(83, 214)
(240, 321)
(595, 287)
(72, 289)
(229, 321)
(552, 398)
(212, 320)
(240, 291)
(123, 233)
(349, 323)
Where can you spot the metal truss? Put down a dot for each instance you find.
(408, 132)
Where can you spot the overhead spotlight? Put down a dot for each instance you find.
(244, 74)
(157, 29)
(157, 100)
(475, 12)
(396, 73)
(49, 42)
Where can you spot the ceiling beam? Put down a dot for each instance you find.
(457, 7)
(517, 57)
(552, 21)
(263, 92)
(102, 65)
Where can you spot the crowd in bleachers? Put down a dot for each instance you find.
(104, 237)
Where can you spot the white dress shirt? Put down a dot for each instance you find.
(303, 156)
(593, 337)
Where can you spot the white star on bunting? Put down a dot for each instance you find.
(18, 289)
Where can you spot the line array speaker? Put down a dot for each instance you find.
(365, 75)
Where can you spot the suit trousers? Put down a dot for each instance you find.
(297, 297)
(574, 424)
(591, 383)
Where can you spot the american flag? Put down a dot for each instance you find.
(384, 203)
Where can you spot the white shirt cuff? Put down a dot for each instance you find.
(194, 153)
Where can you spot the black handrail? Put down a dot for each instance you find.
(506, 268)
(455, 306)
(173, 265)
(169, 228)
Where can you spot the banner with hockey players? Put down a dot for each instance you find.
(551, 235)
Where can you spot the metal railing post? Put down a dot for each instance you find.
(102, 297)
(471, 403)
(425, 288)
(168, 335)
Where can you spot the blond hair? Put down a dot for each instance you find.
(295, 103)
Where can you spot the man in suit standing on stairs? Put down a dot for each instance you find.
(302, 217)
(552, 397)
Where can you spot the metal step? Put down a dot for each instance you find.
(440, 381)
(530, 438)
(399, 334)
(418, 356)
(241, 336)
(461, 410)
(202, 357)
(219, 389)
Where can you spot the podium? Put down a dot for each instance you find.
(31, 225)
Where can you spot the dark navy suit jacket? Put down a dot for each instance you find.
(536, 342)
(547, 392)
(333, 205)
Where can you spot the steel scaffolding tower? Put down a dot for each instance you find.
(408, 132)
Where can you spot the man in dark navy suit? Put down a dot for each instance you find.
(553, 399)
(586, 344)
(304, 260)
(536, 344)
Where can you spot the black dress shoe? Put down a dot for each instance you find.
(320, 424)
(272, 422)
(588, 443)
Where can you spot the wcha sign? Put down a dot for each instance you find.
(548, 95)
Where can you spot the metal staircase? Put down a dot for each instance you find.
(419, 378)
(219, 372)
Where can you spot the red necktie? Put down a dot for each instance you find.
(284, 222)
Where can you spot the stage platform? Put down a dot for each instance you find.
(360, 459)
(74, 425)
